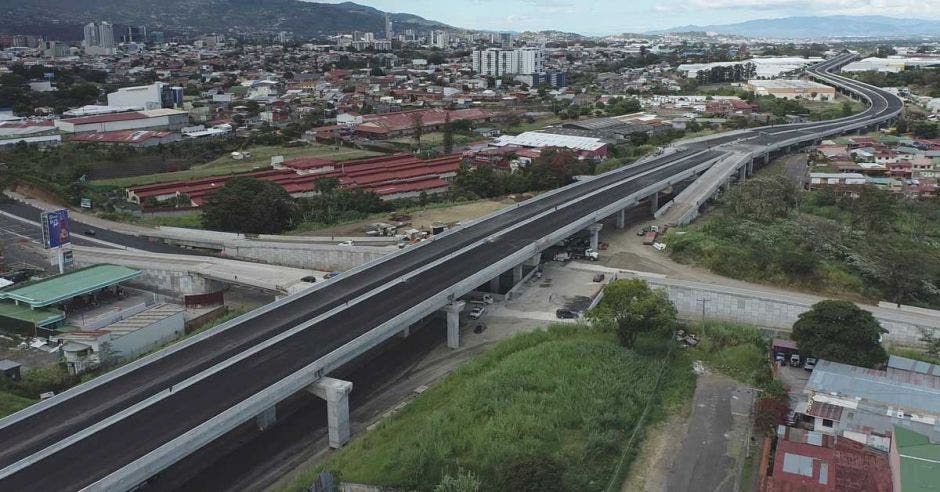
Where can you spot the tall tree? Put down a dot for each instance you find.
(840, 331)
(417, 125)
(448, 140)
(632, 307)
(248, 205)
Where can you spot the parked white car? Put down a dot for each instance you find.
(477, 312)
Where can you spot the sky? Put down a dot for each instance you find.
(598, 17)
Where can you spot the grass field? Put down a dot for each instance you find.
(437, 138)
(225, 165)
(10, 403)
(549, 410)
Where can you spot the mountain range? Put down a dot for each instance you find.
(821, 27)
(63, 19)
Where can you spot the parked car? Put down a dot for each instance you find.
(330, 275)
(347, 243)
(89, 232)
(810, 363)
(477, 312)
(479, 328)
(309, 278)
(599, 277)
(566, 314)
(795, 360)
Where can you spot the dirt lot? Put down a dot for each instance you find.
(420, 219)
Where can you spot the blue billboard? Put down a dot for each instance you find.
(55, 229)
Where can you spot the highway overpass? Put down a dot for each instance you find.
(117, 430)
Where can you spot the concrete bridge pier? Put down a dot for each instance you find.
(453, 323)
(517, 274)
(621, 218)
(336, 393)
(495, 284)
(654, 202)
(267, 418)
(534, 260)
(742, 173)
(750, 167)
(595, 232)
(405, 332)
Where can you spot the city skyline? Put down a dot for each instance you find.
(601, 17)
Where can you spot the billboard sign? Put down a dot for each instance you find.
(55, 229)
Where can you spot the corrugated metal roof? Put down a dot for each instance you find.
(798, 464)
(875, 386)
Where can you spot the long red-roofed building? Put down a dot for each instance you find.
(391, 177)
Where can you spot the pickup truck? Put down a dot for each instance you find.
(649, 238)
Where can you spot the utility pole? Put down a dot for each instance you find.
(704, 302)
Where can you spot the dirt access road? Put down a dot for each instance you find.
(702, 452)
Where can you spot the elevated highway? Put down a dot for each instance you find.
(117, 430)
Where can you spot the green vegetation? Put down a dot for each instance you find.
(11, 403)
(872, 246)
(74, 88)
(923, 81)
(550, 170)
(248, 205)
(549, 410)
(738, 351)
(226, 165)
(632, 308)
(840, 331)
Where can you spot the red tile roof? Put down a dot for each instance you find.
(385, 175)
(405, 120)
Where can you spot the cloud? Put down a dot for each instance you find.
(893, 8)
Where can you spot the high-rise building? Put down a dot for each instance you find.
(440, 39)
(496, 62)
(99, 38)
(389, 32)
(368, 37)
(136, 34)
(505, 40)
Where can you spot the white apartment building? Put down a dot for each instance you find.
(99, 39)
(496, 62)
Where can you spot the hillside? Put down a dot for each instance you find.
(827, 26)
(63, 19)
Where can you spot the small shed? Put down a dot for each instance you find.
(10, 369)
(785, 347)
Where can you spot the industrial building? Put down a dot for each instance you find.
(586, 147)
(792, 89)
(124, 339)
(390, 177)
(129, 138)
(154, 96)
(154, 119)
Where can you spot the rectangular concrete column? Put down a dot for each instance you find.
(494, 284)
(267, 418)
(453, 323)
(595, 233)
(654, 202)
(750, 167)
(406, 332)
(516, 275)
(742, 173)
(336, 393)
(534, 261)
(621, 217)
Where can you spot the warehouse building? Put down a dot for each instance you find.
(155, 119)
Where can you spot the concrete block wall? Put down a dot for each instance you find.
(779, 311)
(157, 277)
(327, 258)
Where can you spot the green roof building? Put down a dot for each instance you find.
(35, 305)
(915, 462)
